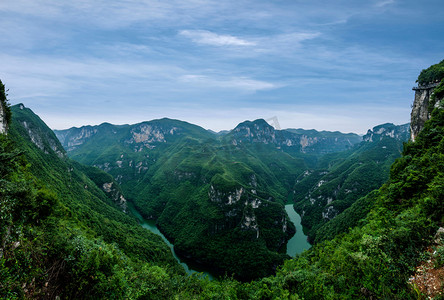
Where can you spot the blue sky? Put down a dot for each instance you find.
(328, 65)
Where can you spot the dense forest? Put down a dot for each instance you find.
(65, 233)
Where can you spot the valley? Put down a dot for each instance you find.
(79, 208)
(207, 191)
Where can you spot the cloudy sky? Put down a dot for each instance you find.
(344, 65)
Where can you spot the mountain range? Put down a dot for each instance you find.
(66, 228)
(227, 191)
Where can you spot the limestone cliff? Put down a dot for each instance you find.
(3, 122)
(428, 95)
(5, 113)
(398, 132)
(420, 110)
(291, 140)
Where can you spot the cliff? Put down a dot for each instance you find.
(5, 114)
(3, 123)
(400, 132)
(291, 140)
(420, 110)
(428, 93)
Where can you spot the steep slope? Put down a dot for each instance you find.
(379, 258)
(84, 235)
(322, 194)
(5, 112)
(126, 152)
(430, 88)
(206, 195)
(293, 141)
(222, 199)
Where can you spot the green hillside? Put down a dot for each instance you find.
(186, 178)
(322, 194)
(62, 236)
(60, 228)
(205, 194)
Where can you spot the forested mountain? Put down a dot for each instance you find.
(63, 230)
(62, 235)
(220, 203)
(209, 192)
(341, 178)
(291, 140)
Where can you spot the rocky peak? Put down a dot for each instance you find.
(37, 131)
(74, 137)
(399, 132)
(256, 131)
(152, 132)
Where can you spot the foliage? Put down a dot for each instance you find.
(323, 194)
(438, 94)
(171, 174)
(434, 73)
(62, 236)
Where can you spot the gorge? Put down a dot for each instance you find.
(66, 231)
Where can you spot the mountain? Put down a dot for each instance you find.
(321, 194)
(56, 242)
(175, 173)
(66, 230)
(292, 140)
(205, 194)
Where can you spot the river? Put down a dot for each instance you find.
(189, 266)
(295, 245)
(298, 243)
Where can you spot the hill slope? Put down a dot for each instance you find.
(375, 259)
(79, 237)
(206, 195)
(320, 195)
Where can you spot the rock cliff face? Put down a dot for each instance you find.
(115, 194)
(3, 123)
(4, 110)
(420, 110)
(322, 194)
(76, 137)
(291, 140)
(38, 132)
(400, 132)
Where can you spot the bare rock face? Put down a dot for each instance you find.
(399, 132)
(3, 122)
(115, 194)
(420, 110)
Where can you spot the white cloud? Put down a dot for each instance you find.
(384, 3)
(240, 83)
(214, 39)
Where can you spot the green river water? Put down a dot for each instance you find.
(295, 245)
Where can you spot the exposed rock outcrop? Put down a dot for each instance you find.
(114, 193)
(39, 134)
(420, 109)
(400, 132)
(3, 110)
(242, 208)
(292, 140)
(3, 122)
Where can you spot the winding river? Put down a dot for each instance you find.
(295, 245)
(298, 243)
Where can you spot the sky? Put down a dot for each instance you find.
(345, 65)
